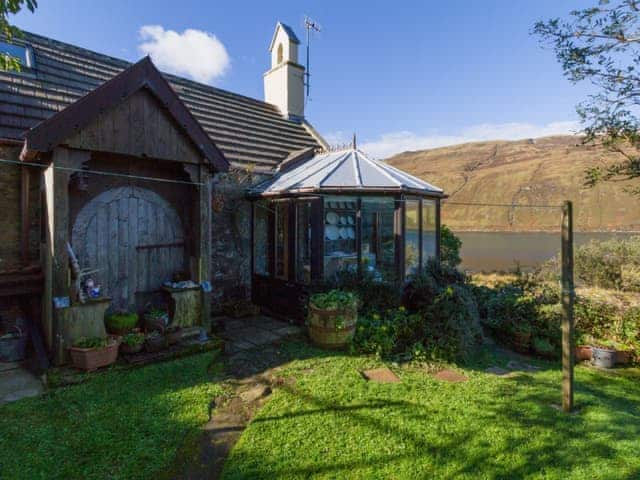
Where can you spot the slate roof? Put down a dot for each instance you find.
(345, 171)
(246, 130)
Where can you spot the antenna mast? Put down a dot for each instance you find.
(309, 25)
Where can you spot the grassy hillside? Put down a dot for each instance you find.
(542, 171)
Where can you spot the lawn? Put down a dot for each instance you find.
(332, 424)
(119, 425)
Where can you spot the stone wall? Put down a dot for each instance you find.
(10, 216)
(231, 236)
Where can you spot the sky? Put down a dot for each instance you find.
(403, 75)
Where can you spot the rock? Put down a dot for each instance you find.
(381, 375)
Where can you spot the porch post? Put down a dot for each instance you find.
(438, 230)
(204, 243)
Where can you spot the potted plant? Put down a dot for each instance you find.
(132, 343)
(332, 318)
(156, 319)
(121, 323)
(604, 354)
(92, 353)
(173, 334)
(13, 345)
(521, 336)
(155, 341)
(583, 348)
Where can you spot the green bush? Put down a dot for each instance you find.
(594, 318)
(93, 342)
(133, 339)
(450, 246)
(543, 347)
(121, 321)
(334, 300)
(374, 295)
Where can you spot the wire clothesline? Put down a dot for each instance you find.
(509, 205)
(100, 172)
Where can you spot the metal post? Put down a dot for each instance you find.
(568, 294)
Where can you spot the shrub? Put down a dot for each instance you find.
(374, 295)
(133, 339)
(121, 321)
(450, 246)
(387, 334)
(594, 318)
(93, 342)
(334, 300)
(543, 347)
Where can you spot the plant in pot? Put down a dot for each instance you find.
(583, 347)
(121, 323)
(156, 320)
(332, 318)
(173, 334)
(132, 343)
(155, 341)
(92, 353)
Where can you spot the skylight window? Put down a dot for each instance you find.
(24, 54)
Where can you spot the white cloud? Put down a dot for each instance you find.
(192, 53)
(395, 142)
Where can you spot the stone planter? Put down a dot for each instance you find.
(90, 359)
(332, 329)
(624, 357)
(603, 357)
(155, 324)
(583, 352)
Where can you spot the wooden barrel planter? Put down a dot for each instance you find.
(332, 329)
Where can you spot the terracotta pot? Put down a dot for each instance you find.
(131, 349)
(624, 357)
(93, 358)
(332, 329)
(583, 352)
(174, 336)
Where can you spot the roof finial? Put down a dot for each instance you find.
(354, 141)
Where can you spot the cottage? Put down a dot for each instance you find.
(140, 177)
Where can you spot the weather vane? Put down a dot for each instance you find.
(310, 25)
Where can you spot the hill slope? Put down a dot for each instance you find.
(542, 171)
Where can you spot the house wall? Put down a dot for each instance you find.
(231, 237)
(10, 218)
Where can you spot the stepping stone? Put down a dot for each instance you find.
(513, 365)
(381, 375)
(498, 371)
(255, 393)
(450, 376)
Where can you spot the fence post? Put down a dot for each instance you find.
(568, 294)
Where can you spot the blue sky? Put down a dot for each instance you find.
(402, 75)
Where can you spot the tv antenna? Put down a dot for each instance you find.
(311, 26)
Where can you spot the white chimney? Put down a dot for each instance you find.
(284, 82)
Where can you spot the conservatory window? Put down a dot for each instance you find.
(282, 240)
(378, 238)
(428, 230)
(262, 243)
(340, 252)
(412, 236)
(303, 242)
(22, 53)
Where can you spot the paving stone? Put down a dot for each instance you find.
(254, 393)
(498, 371)
(18, 383)
(235, 324)
(450, 376)
(381, 375)
(236, 346)
(515, 365)
(288, 330)
(260, 337)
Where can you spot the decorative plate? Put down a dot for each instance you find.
(331, 232)
(344, 234)
(343, 220)
(352, 232)
(332, 218)
(351, 220)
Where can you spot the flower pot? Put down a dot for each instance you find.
(624, 357)
(603, 357)
(155, 324)
(155, 344)
(583, 352)
(332, 329)
(131, 349)
(174, 336)
(13, 346)
(93, 358)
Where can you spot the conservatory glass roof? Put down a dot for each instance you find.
(345, 170)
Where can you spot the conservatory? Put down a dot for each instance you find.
(326, 213)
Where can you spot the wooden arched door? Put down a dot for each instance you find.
(135, 240)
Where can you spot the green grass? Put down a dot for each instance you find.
(333, 424)
(118, 425)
